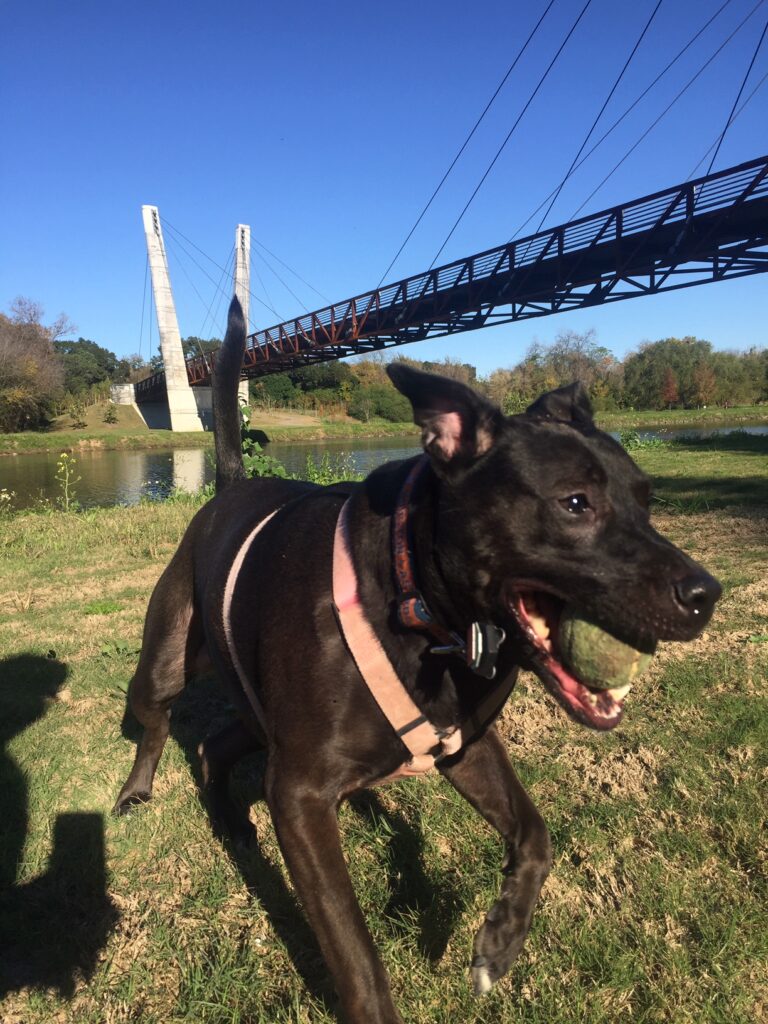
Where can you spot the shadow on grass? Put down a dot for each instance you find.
(701, 494)
(735, 441)
(203, 710)
(410, 886)
(52, 927)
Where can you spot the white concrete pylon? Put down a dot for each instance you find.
(181, 401)
(243, 285)
(243, 268)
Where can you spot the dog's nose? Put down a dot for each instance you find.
(696, 594)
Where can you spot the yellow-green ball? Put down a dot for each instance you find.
(594, 656)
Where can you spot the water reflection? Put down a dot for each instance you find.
(124, 477)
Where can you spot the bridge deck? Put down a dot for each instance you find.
(709, 229)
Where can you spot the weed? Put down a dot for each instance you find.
(258, 463)
(22, 600)
(6, 502)
(632, 441)
(65, 475)
(330, 470)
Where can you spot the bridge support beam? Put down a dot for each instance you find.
(182, 407)
(243, 286)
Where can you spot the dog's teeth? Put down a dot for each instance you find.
(540, 627)
(592, 699)
(620, 692)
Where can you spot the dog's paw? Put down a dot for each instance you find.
(497, 944)
(126, 804)
(481, 976)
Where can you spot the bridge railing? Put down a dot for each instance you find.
(363, 314)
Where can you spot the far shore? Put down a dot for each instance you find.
(287, 425)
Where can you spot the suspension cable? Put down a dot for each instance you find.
(217, 265)
(608, 98)
(692, 173)
(225, 273)
(738, 97)
(666, 110)
(255, 269)
(184, 270)
(282, 282)
(630, 108)
(143, 305)
(291, 270)
(467, 140)
(511, 131)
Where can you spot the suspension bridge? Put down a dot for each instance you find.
(712, 228)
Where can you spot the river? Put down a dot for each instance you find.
(125, 477)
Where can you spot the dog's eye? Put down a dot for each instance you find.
(576, 504)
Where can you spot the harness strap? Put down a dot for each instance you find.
(226, 609)
(411, 725)
(425, 742)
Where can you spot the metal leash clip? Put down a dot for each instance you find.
(480, 650)
(483, 643)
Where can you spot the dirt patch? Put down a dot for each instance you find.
(284, 418)
(531, 721)
(618, 774)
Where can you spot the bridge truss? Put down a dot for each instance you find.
(710, 229)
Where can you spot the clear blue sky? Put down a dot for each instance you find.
(326, 127)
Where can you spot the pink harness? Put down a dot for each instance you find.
(424, 741)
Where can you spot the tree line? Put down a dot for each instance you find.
(666, 374)
(43, 373)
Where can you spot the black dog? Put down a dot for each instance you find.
(463, 560)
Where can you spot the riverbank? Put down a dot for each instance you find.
(657, 868)
(286, 426)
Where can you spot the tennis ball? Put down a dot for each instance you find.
(594, 656)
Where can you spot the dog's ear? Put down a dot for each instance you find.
(457, 424)
(570, 404)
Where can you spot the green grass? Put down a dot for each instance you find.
(709, 473)
(655, 909)
(669, 419)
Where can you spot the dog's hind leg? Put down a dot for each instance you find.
(483, 774)
(171, 643)
(218, 755)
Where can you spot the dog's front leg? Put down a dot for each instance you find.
(483, 774)
(308, 833)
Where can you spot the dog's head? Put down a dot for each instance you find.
(541, 511)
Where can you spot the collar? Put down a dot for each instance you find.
(481, 647)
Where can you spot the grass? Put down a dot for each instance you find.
(661, 419)
(655, 909)
(130, 432)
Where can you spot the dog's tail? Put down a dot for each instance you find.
(226, 411)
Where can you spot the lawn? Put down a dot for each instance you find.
(654, 911)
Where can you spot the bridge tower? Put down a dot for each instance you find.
(243, 284)
(182, 405)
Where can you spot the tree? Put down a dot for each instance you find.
(31, 375)
(276, 389)
(381, 400)
(194, 346)
(86, 363)
(704, 383)
(670, 394)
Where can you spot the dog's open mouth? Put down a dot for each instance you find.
(537, 613)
